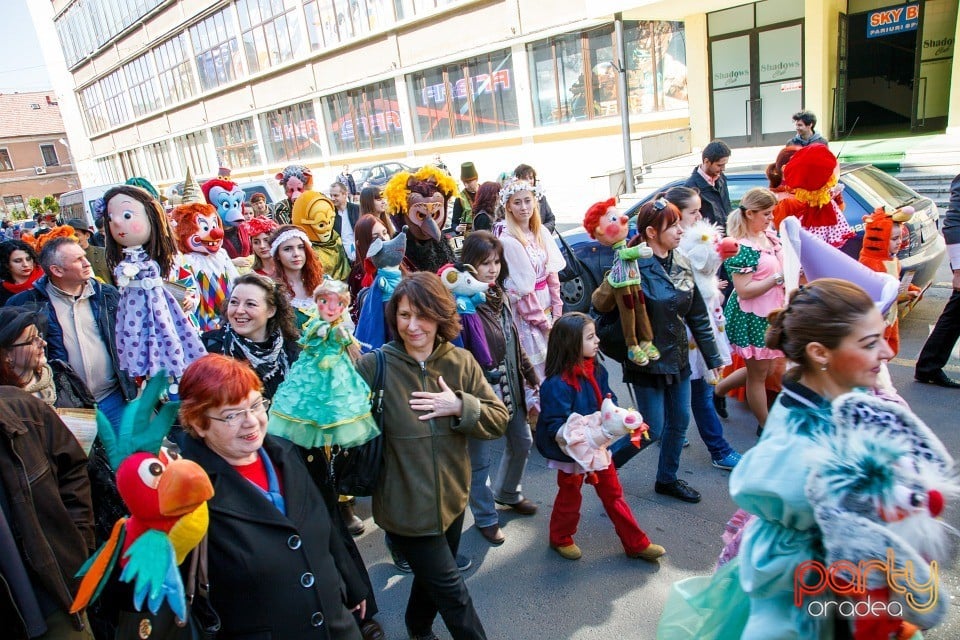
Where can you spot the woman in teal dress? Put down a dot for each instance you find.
(833, 332)
(323, 401)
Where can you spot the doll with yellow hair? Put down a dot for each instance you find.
(323, 400)
(419, 201)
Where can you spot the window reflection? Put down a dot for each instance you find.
(363, 118)
(236, 144)
(215, 48)
(291, 134)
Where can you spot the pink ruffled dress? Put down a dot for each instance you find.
(747, 319)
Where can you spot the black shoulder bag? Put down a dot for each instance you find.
(355, 470)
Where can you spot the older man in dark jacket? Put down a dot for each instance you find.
(46, 528)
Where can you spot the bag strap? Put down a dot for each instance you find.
(377, 402)
(197, 580)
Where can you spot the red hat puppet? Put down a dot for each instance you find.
(815, 200)
(620, 289)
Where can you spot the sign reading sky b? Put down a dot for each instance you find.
(886, 22)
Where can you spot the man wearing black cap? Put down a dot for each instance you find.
(96, 255)
(463, 206)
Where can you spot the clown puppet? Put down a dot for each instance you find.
(419, 201)
(228, 198)
(200, 238)
(315, 213)
(295, 179)
(620, 288)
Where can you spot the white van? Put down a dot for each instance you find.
(81, 202)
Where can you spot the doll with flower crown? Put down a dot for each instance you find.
(323, 400)
(153, 332)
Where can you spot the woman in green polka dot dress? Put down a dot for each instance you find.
(757, 274)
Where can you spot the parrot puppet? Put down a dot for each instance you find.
(167, 498)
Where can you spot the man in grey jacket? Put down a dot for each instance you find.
(936, 351)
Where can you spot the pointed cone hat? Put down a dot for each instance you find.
(804, 251)
(191, 190)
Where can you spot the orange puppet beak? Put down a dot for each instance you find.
(183, 487)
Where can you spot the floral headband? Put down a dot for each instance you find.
(517, 185)
(286, 235)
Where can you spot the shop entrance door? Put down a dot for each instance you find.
(757, 84)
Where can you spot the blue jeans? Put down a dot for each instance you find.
(112, 406)
(506, 486)
(667, 412)
(708, 424)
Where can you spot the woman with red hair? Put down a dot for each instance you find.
(297, 268)
(269, 521)
(259, 230)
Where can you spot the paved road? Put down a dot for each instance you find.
(523, 590)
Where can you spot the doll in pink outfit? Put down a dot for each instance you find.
(757, 275)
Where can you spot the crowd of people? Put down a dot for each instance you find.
(275, 327)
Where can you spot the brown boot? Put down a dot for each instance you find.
(354, 524)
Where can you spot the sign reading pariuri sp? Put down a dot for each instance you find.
(891, 20)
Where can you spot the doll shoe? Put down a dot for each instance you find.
(652, 352)
(638, 356)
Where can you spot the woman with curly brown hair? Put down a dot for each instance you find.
(298, 269)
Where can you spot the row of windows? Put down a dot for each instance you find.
(48, 151)
(88, 24)
(574, 77)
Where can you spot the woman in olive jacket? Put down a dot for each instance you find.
(662, 388)
(436, 398)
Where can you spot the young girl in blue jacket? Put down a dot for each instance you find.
(577, 383)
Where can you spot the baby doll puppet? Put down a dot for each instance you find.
(586, 438)
(621, 287)
(386, 256)
(315, 213)
(200, 239)
(228, 198)
(153, 333)
(323, 401)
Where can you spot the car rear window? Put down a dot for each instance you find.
(891, 191)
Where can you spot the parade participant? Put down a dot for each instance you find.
(419, 201)
(576, 384)
(757, 274)
(620, 288)
(386, 257)
(509, 370)
(534, 262)
(265, 504)
(259, 329)
(298, 269)
(153, 333)
(528, 174)
(373, 202)
(314, 213)
(708, 179)
(295, 179)
(462, 217)
(228, 199)
(423, 489)
(662, 388)
(367, 229)
(259, 230)
(485, 205)
(701, 246)
(19, 268)
(347, 214)
(815, 196)
(259, 203)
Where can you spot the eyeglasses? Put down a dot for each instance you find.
(36, 341)
(235, 419)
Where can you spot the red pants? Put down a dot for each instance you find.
(566, 510)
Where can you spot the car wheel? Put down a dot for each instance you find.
(576, 292)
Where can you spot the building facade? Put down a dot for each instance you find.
(35, 159)
(254, 85)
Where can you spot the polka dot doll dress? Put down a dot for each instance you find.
(747, 319)
(153, 333)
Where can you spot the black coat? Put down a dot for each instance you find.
(353, 214)
(274, 576)
(714, 199)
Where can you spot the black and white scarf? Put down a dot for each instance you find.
(268, 358)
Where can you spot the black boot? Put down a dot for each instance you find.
(354, 524)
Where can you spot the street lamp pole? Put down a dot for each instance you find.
(623, 103)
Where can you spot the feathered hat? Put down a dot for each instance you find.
(809, 173)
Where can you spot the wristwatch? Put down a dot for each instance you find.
(778, 278)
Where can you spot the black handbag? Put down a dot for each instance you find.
(355, 470)
(574, 267)
(203, 622)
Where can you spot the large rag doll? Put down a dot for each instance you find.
(323, 401)
(620, 288)
(200, 239)
(586, 438)
(153, 332)
(419, 201)
(314, 213)
(228, 198)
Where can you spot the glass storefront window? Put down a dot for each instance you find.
(575, 74)
(174, 76)
(291, 134)
(236, 144)
(363, 118)
(216, 50)
(465, 98)
(270, 32)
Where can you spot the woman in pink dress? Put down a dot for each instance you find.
(757, 274)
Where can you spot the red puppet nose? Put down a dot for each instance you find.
(935, 502)
(216, 233)
(624, 219)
